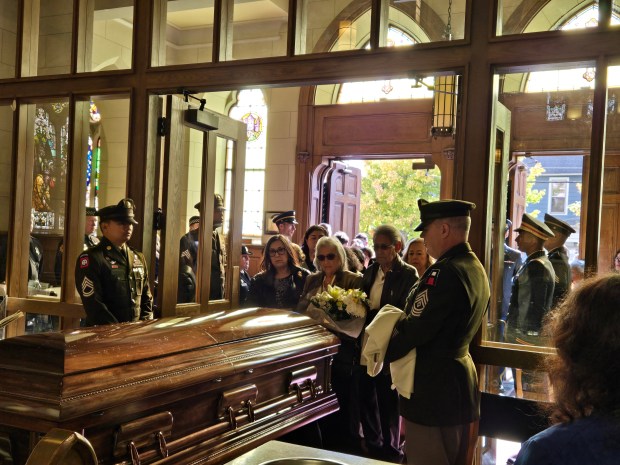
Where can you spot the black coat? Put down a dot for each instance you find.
(398, 283)
(563, 277)
(531, 299)
(444, 310)
(263, 293)
(114, 288)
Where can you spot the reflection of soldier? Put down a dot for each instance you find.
(111, 277)
(512, 263)
(90, 240)
(246, 280)
(533, 284)
(35, 256)
(218, 259)
(188, 260)
(286, 223)
(558, 256)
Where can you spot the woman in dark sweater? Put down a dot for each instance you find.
(281, 280)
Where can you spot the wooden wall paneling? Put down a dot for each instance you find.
(373, 128)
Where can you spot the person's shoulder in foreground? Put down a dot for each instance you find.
(591, 440)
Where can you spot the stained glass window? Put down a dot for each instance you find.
(252, 110)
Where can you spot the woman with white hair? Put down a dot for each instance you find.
(340, 431)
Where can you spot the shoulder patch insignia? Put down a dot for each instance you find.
(84, 261)
(431, 279)
(557, 279)
(420, 302)
(88, 287)
(186, 254)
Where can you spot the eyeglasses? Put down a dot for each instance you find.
(329, 256)
(382, 246)
(278, 251)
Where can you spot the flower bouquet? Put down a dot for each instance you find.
(340, 310)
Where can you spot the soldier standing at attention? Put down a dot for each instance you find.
(532, 285)
(218, 252)
(444, 310)
(558, 256)
(111, 277)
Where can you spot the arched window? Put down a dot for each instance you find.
(252, 110)
(574, 78)
(390, 89)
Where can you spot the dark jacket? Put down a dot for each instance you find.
(398, 282)
(217, 268)
(114, 288)
(244, 287)
(349, 352)
(531, 299)
(186, 291)
(263, 294)
(559, 260)
(512, 263)
(444, 310)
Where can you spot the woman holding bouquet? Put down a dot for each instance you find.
(281, 280)
(340, 430)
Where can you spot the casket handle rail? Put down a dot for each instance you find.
(236, 400)
(301, 377)
(147, 434)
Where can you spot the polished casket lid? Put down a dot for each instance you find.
(62, 375)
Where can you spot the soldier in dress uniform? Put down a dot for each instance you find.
(90, 240)
(444, 310)
(218, 256)
(558, 256)
(112, 277)
(286, 223)
(532, 285)
(188, 261)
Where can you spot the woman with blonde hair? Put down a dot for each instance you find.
(416, 255)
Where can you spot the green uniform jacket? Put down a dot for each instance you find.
(559, 260)
(114, 288)
(444, 310)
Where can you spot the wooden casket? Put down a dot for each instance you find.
(171, 391)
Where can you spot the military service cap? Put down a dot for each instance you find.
(245, 251)
(536, 227)
(194, 220)
(122, 212)
(91, 211)
(557, 225)
(218, 203)
(285, 217)
(430, 211)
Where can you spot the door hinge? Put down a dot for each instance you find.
(162, 126)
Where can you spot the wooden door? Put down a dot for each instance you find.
(518, 183)
(342, 195)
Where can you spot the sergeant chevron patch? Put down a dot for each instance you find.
(88, 287)
(419, 304)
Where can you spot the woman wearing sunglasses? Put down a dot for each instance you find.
(281, 280)
(340, 431)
